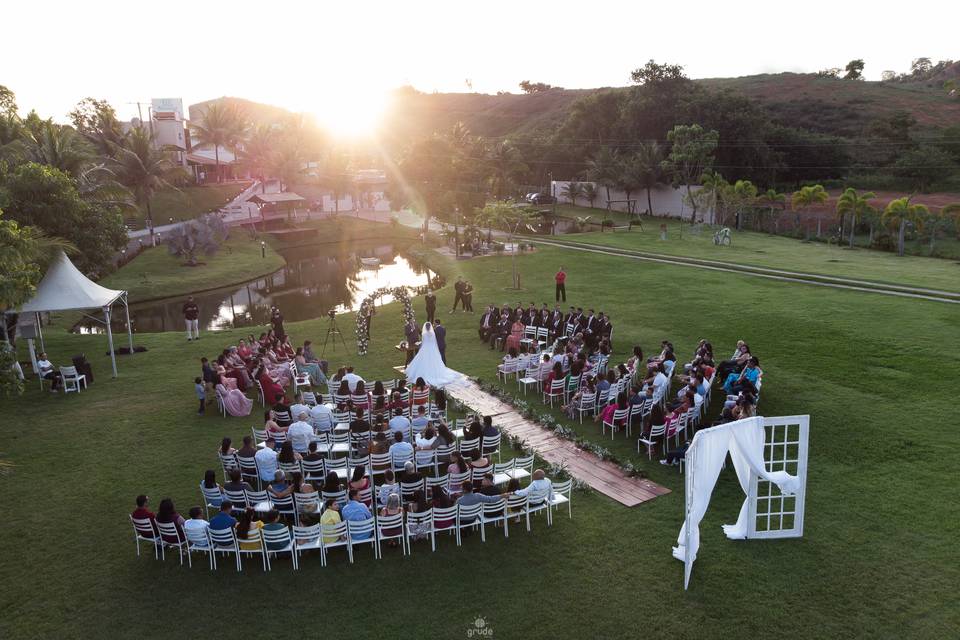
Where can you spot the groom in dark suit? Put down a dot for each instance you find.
(441, 332)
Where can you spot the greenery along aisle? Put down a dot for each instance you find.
(401, 294)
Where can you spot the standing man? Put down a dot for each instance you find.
(430, 300)
(191, 315)
(561, 279)
(441, 333)
(458, 293)
(413, 336)
(276, 319)
(467, 296)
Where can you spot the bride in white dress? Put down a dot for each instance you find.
(428, 364)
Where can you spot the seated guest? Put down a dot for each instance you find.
(330, 517)
(247, 523)
(321, 416)
(360, 397)
(225, 448)
(209, 375)
(399, 423)
(244, 351)
(359, 423)
(743, 407)
(271, 522)
(271, 426)
(48, 372)
(281, 411)
(487, 487)
(751, 373)
(474, 430)
(571, 408)
(247, 450)
(209, 482)
(223, 520)
(167, 514)
(469, 498)
(418, 503)
(271, 387)
(379, 446)
(739, 360)
(457, 465)
(488, 323)
(400, 450)
(300, 433)
(489, 431)
(287, 454)
(420, 387)
(420, 422)
(356, 511)
(196, 527)
(267, 460)
(352, 379)
(359, 479)
(427, 441)
(234, 401)
(390, 485)
(674, 456)
(343, 389)
(310, 356)
(142, 512)
(279, 487)
(331, 483)
(410, 473)
(516, 335)
(539, 486)
(236, 482)
(313, 452)
(479, 462)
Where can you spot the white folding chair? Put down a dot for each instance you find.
(563, 494)
(278, 538)
(254, 536)
(362, 532)
(491, 445)
(467, 447)
(306, 538)
(496, 513)
(72, 379)
(143, 530)
(556, 390)
(211, 499)
(442, 519)
(338, 533)
(531, 376)
(586, 404)
(417, 521)
(225, 541)
(656, 431)
(199, 540)
(391, 528)
(470, 516)
(522, 468)
(618, 420)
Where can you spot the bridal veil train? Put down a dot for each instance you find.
(428, 364)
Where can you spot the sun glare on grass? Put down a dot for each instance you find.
(351, 114)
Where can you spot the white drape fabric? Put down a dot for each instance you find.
(744, 440)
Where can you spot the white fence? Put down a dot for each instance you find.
(667, 201)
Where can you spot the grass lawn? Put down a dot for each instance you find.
(157, 274)
(187, 203)
(777, 252)
(878, 558)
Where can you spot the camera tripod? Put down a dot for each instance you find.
(333, 330)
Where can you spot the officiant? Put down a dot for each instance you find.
(412, 333)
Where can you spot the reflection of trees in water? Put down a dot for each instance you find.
(305, 288)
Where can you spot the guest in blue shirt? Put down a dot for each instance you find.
(750, 374)
(356, 511)
(223, 520)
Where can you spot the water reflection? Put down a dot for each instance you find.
(313, 281)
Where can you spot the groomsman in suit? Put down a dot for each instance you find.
(441, 332)
(590, 326)
(506, 310)
(503, 330)
(488, 322)
(458, 294)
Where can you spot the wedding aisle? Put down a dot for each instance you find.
(601, 475)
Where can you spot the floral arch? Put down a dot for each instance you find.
(400, 294)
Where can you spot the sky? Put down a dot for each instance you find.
(337, 60)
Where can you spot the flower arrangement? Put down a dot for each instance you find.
(401, 294)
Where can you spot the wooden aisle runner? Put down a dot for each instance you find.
(601, 475)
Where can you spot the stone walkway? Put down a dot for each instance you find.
(601, 475)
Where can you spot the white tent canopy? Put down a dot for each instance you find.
(64, 288)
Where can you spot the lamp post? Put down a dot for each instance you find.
(263, 249)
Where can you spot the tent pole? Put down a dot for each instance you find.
(113, 356)
(43, 347)
(126, 306)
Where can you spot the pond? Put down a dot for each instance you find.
(315, 279)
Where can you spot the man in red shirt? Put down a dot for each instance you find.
(561, 279)
(143, 513)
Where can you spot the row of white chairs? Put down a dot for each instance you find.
(298, 540)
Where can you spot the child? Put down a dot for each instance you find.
(201, 394)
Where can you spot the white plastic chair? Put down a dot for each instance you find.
(143, 530)
(254, 536)
(338, 531)
(384, 525)
(275, 537)
(556, 391)
(586, 404)
(656, 431)
(469, 516)
(225, 541)
(618, 421)
(72, 379)
(563, 494)
(199, 540)
(361, 528)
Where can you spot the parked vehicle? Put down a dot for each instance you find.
(541, 199)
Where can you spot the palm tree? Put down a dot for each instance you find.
(773, 199)
(806, 197)
(506, 166)
(628, 178)
(12, 143)
(712, 194)
(603, 168)
(58, 146)
(286, 163)
(143, 169)
(258, 150)
(855, 205)
(900, 213)
(221, 125)
(336, 177)
(572, 191)
(649, 168)
(589, 192)
(743, 194)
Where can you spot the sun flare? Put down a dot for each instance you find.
(352, 114)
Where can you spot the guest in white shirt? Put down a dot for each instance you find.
(266, 459)
(322, 417)
(297, 409)
(400, 423)
(352, 379)
(300, 433)
(48, 372)
(400, 451)
(390, 485)
(539, 489)
(426, 442)
(195, 528)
